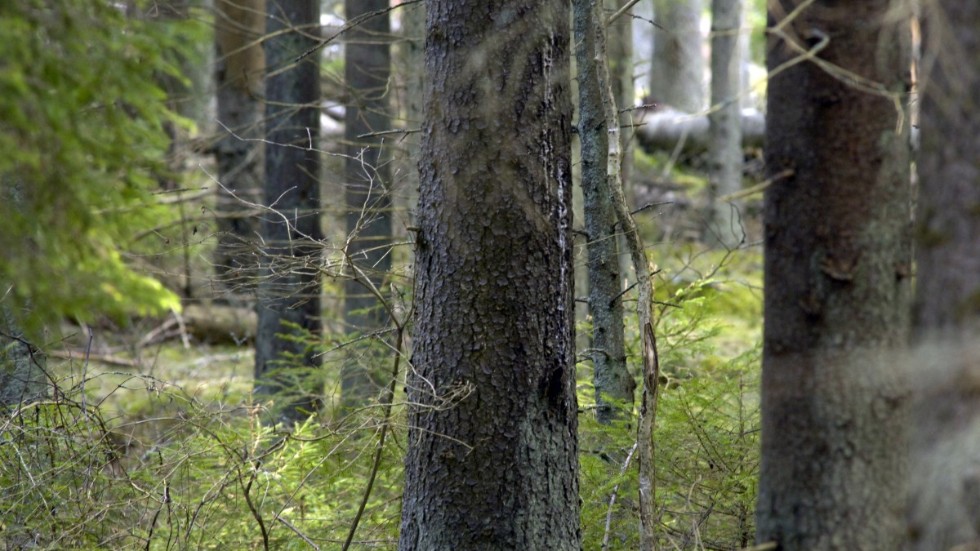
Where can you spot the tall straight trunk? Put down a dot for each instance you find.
(492, 453)
(238, 26)
(289, 288)
(948, 234)
(723, 225)
(944, 510)
(833, 471)
(367, 67)
(614, 386)
(677, 73)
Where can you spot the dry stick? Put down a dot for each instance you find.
(297, 531)
(644, 306)
(389, 398)
(612, 499)
(247, 488)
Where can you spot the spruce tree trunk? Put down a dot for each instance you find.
(238, 26)
(944, 510)
(491, 460)
(367, 67)
(833, 472)
(611, 378)
(289, 288)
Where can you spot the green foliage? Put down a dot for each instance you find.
(707, 447)
(186, 474)
(82, 127)
(707, 459)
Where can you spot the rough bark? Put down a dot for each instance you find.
(833, 471)
(944, 509)
(723, 225)
(238, 27)
(367, 67)
(491, 462)
(677, 73)
(614, 386)
(289, 287)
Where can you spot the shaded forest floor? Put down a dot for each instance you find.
(164, 427)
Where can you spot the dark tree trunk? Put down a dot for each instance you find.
(611, 378)
(944, 510)
(238, 26)
(289, 288)
(367, 66)
(491, 462)
(834, 470)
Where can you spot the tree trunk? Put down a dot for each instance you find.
(664, 128)
(491, 462)
(944, 507)
(367, 67)
(289, 288)
(238, 26)
(677, 74)
(22, 365)
(833, 470)
(723, 224)
(948, 233)
(620, 59)
(614, 386)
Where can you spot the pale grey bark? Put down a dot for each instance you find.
(723, 224)
(664, 129)
(834, 469)
(620, 59)
(677, 73)
(944, 510)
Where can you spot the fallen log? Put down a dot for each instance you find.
(220, 324)
(664, 128)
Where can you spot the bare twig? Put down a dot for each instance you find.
(644, 308)
(296, 531)
(612, 498)
(389, 399)
(629, 5)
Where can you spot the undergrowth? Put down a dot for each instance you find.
(122, 460)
